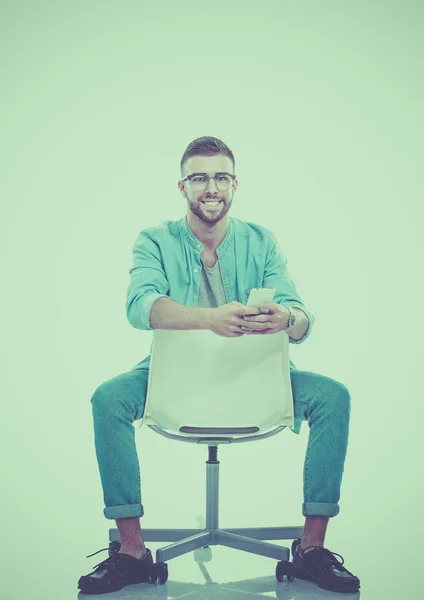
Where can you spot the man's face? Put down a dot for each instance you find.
(196, 199)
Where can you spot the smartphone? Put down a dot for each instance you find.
(259, 295)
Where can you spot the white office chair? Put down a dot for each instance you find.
(209, 389)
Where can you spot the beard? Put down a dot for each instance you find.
(209, 216)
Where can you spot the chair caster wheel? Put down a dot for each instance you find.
(159, 572)
(202, 555)
(284, 568)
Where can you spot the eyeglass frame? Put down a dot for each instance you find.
(233, 177)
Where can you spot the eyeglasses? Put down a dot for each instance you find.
(199, 181)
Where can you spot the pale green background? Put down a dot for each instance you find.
(321, 103)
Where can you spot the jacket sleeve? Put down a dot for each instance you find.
(148, 281)
(277, 276)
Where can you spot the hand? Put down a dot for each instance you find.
(276, 320)
(227, 320)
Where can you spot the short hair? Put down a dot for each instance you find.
(206, 146)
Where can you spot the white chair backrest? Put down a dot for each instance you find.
(200, 379)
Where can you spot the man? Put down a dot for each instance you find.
(196, 273)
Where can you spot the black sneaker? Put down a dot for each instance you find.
(116, 572)
(323, 568)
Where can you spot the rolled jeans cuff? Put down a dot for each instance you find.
(124, 511)
(327, 509)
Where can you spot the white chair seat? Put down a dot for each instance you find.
(202, 385)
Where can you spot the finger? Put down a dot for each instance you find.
(268, 325)
(236, 330)
(271, 306)
(255, 326)
(257, 318)
(250, 310)
(242, 321)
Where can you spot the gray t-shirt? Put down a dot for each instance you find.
(211, 289)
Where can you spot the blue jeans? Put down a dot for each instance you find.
(320, 400)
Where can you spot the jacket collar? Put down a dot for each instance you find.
(186, 232)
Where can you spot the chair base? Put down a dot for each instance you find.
(248, 540)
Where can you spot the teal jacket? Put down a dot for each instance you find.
(166, 262)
